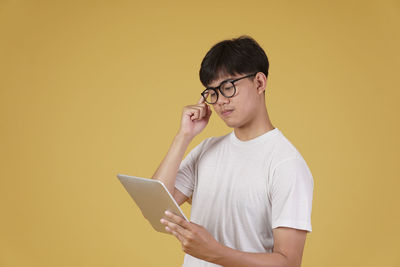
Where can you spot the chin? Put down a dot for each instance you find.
(235, 123)
(232, 124)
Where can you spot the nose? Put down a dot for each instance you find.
(222, 99)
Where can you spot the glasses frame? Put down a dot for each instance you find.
(218, 88)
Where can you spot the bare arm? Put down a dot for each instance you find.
(288, 251)
(198, 242)
(168, 168)
(194, 119)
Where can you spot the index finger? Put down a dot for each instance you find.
(177, 219)
(201, 100)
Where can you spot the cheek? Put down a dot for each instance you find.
(244, 104)
(245, 111)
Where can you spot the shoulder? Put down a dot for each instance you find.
(214, 141)
(288, 165)
(284, 151)
(209, 144)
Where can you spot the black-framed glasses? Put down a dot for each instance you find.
(226, 88)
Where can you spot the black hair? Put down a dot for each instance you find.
(242, 55)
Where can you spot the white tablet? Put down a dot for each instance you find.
(153, 199)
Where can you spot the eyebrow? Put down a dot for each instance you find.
(227, 80)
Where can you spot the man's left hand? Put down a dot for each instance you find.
(195, 239)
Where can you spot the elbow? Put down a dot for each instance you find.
(287, 261)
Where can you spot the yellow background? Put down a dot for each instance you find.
(89, 89)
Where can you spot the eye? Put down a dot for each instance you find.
(227, 86)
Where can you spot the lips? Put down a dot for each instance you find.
(226, 112)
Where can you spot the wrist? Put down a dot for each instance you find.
(220, 254)
(227, 256)
(184, 137)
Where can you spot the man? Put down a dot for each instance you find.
(251, 190)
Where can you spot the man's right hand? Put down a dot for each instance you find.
(195, 118)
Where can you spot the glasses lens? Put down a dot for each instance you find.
(227, 89)
(210, 95)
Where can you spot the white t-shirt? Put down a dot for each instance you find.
(244, 189)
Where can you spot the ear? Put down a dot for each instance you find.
(261, 82)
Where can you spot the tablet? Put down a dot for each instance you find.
(153, 199)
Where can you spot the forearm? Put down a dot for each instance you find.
(168, 168)
(234, 258)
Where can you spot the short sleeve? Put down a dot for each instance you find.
(187, 172)
(291, 194)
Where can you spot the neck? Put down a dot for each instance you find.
(256, 127)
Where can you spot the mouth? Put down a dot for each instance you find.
(227, 112)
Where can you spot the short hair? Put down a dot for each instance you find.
(242, 55)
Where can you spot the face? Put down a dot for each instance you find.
(239, 110)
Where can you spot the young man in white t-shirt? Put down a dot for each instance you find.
(250, 190)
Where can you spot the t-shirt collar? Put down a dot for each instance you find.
(257, 140)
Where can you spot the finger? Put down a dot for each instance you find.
(203, 111)
(195, 114)
(200, 112)
(190, 111)
(179, 231)
(177, 219)
(209, 111)
(175, 229)
(172, 232)
(202, 108)
(180, 238)
(171, 224)
(201, 100)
